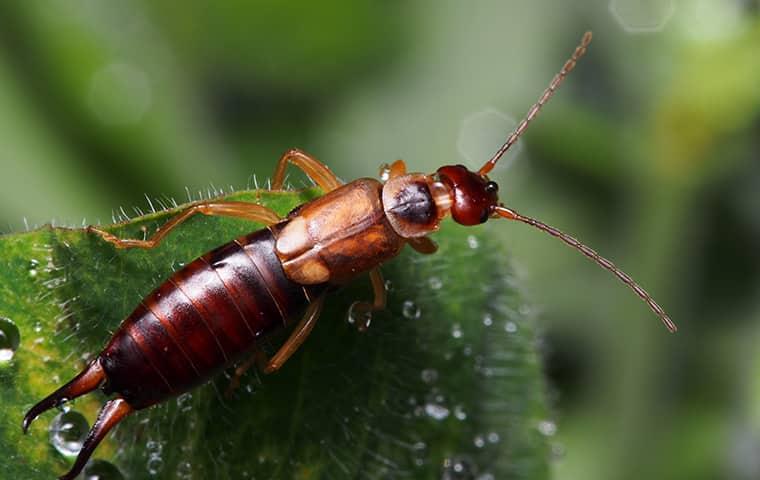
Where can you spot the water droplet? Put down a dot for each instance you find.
(510, 327)
(472, 242)
(9, 339)
(67, 432)
(456, 331)
(101, 470)
(459, 413)
(547, 427)
(388, 286)
(154, 446)
(37, 327)
(33, 264)
(410, 310)
(479, 441)
(429, 375)
(359, 315)
(184, 402)
(185, 470)
(435, 283)
(487, 319)
(457, 468)
(436, 411)
(155, 464)
(493, 437)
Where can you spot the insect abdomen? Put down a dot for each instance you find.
(201, 319)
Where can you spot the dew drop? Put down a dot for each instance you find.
(185, 470)
(410, 310)
(33, 264)
(459, 413)
(358, 315)
(155, 464)
(479, 441)
(435, 283)
(457, 468)
(487, 319)
(493, 437)
(9, 339)
(436, 411)
(184, 402)
(388, 286)
(547, 427)
(472, 242)
(456, 331)
(429, 375)
(67, 432)
(510, 327)
(101, 470)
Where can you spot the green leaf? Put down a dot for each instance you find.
(446, 383)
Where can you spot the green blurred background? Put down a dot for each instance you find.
(649, 153)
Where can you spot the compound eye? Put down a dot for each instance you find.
(492, 187)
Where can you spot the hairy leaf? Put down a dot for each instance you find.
(446, 383)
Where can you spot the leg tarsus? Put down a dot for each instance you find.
(112, 413)
(258, 358)
(299, 335)
(316, 170)
(244, 210)
(423, 245)
(363, 310)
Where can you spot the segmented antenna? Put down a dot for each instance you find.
(555, 83)
(510, 214)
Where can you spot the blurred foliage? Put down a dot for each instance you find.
(649, 153)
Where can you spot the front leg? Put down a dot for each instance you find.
(361, 312)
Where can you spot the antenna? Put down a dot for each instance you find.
(510, 214)
(555, 83)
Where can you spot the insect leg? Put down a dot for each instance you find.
(364, 309)
(296, 339)
(395, 169)
(245, 210)
(423, 245)
(258, 357)
(312, 167)
(112, 413)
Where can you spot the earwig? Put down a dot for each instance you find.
(213, 312)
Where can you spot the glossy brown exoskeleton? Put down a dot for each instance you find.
(210, 314)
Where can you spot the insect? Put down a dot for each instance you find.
(210, 314)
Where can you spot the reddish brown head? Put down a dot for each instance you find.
(475, 197)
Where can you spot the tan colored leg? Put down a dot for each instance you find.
(395, 169)
(299, 335)
(312, 167)
(245, 210)
(423, 245)
(363, 310)
(258, 358)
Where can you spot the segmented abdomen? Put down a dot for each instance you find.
(203, 318)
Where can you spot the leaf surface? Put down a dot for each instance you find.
(446, 383)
